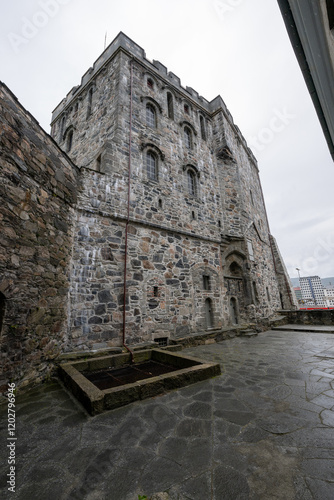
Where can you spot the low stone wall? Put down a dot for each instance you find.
(316, 317)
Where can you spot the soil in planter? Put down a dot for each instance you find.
(114, 377)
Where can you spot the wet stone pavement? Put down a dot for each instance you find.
(261, 430)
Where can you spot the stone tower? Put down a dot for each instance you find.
(140, 219)
(169, 186)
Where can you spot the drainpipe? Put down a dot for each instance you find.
(128, 217)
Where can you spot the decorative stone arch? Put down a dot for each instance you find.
(192, 167)
(151, 153)
(150, 76)
(192, 175)
(234, 251)
(186, 103)
(149, 100)
(185, 123)
(150, 145)
(68, 137)
(201, 269)
(236, 282)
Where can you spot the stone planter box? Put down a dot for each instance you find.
(188, 370)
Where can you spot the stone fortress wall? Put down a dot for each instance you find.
(189, 220)
(38, 194)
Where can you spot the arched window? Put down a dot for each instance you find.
(150, 83)
(150, 116)
(191, 178)
(170, 106)
(203, 131)
(69, 141)
(2, 309)
(187, 137)
(235, 269)
(151, 166)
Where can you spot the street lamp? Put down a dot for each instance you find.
(297, 269)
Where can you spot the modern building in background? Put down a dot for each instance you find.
(329, 296)
(312, 291)
(298, 294)
(310, 26)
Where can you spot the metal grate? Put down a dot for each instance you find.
(161, 341)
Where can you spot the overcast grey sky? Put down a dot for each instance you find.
(236, 48)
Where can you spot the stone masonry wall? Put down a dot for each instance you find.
(194, 253)
(38, 192)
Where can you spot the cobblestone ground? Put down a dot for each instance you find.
(261, 430)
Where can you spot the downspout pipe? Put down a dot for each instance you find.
(128, 218)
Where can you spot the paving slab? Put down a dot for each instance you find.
(262, 430)
(306, 328)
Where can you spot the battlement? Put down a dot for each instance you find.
(123, 42)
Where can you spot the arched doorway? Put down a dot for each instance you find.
(234, 311)
(208, 313)
(2, 309)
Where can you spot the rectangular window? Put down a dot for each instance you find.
(250, 250)
(206, 282)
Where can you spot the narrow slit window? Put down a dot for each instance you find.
(90, 102)
(98, 163)
(155, 291)
(170, 106)
(203, 131)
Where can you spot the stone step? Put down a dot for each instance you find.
(249, 333)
